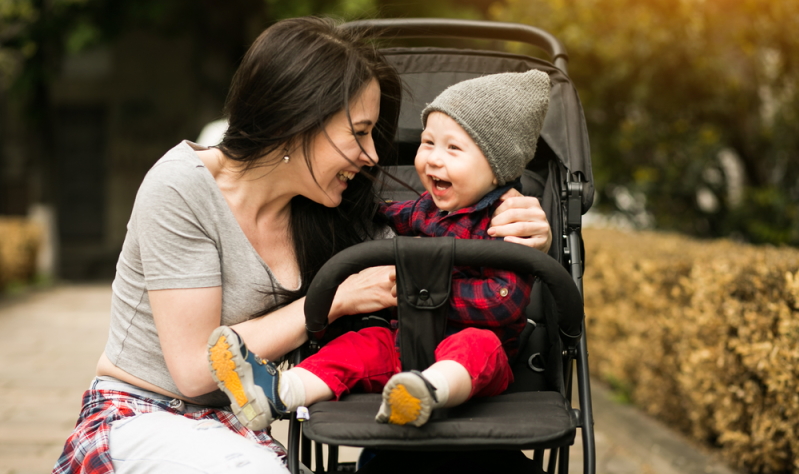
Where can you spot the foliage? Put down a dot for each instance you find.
(36, 34)
(704, 335)
(19, 249)
(684, 97)
(692, 105)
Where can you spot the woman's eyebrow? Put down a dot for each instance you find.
(363, 122)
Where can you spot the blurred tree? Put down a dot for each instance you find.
(36, 34)
(692, 104)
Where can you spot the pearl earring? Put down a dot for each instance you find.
(286, 159)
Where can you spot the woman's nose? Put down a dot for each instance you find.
(368, 153)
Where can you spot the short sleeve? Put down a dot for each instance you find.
(176, 250)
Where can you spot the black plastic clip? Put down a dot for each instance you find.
(576, 417)
(574, 205)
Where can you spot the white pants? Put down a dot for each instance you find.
(162, 442)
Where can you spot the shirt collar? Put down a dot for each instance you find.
(487, 200)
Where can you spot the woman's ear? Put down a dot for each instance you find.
(494, 181)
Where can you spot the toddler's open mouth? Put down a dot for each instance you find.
(440, 184)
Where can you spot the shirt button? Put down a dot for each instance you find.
(503, 292)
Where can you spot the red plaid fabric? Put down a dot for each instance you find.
(481, 297)
(86, 450)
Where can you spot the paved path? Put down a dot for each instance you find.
(50, 341)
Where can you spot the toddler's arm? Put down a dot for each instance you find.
(399, 215)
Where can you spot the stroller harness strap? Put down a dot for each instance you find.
(424, 276)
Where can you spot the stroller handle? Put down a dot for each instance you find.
(444, 27)
(469, 253)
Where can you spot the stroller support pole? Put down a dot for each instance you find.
(574, 219)
(584, 393)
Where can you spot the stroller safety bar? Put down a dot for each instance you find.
(470, 253)
(439, 27)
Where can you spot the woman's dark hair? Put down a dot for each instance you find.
(298, 74)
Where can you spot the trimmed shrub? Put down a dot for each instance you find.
(704, 335)
(19, 246)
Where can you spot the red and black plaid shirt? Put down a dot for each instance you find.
(481, 297)
(86, 450)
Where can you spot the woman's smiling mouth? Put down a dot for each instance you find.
(345, 176)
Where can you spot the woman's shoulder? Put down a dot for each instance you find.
(179, 169)
(181, 159)
(178, 179)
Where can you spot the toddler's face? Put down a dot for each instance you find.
(451, 165)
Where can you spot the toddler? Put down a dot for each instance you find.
(478, 137)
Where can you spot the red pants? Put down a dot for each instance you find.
(368, 358)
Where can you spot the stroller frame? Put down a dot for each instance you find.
(575, 199)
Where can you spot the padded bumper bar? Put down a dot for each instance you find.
(469, 253)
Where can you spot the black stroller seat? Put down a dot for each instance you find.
(536, 411)
(508, 421)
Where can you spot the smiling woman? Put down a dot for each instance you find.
(233, 235)
(223, 234)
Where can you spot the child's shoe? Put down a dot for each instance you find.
(408, 399)
(251, 383)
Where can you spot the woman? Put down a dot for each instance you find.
(218, 234)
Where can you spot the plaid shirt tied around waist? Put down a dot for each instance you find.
(483, 298)
(86, 450)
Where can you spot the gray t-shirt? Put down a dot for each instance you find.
(181, 234)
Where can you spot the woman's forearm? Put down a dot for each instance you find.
(185, 319)
(276, 334)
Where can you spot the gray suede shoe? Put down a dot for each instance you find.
(408, 399)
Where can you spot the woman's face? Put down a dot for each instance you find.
(338, 153)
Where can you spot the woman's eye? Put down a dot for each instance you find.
(363, 133)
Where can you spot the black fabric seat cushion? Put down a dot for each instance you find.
(511, 421)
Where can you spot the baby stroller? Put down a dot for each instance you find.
(536, 412)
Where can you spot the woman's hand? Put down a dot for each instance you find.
(521, 219)
(371, 290)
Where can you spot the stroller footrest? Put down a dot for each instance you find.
(528, 420)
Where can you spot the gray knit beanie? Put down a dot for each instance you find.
(503, 113)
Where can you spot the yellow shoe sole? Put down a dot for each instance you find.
(233, 375)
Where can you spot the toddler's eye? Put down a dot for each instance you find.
(454, 147)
